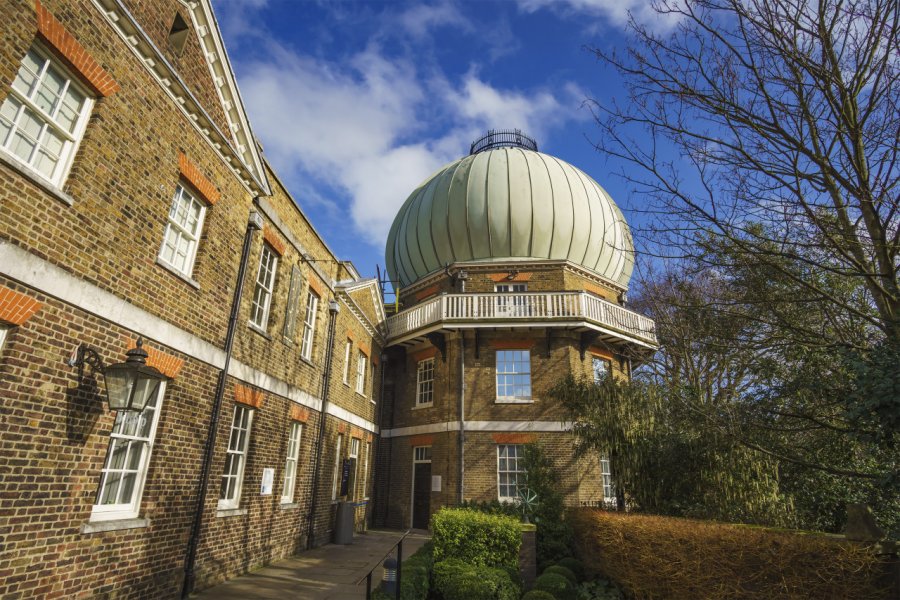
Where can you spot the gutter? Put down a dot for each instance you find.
(333, 309)
(254, 223)
(462, 415)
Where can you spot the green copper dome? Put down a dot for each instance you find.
(509, 203)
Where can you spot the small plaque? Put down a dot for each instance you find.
(435, 483)
(268, 479)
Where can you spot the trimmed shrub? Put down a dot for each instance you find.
(556, 584)
(416, 576)
(457, 580)
(476, 538)
(599, 589)
(665, 557)
(564, 572)
(574, 565)
(538, 595)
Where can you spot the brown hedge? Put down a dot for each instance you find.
(662, 557)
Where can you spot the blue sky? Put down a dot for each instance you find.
(357, 102)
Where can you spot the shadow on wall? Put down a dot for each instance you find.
(84, 405)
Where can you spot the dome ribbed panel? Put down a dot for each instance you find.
(541, 205)
(498, 202)
(459, 210)
(439, 224)
(509, 203)
(476, 201)
(423, 227)
(520, 217)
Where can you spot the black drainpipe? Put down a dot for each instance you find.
(254, 223)
(333, 309)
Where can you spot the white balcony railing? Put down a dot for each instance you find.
(522, 307)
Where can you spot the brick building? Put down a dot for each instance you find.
(136, 206)
(130, 183)
(512, 267)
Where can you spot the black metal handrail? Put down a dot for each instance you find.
(498, 138)
(368, 576)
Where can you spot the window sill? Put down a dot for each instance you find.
(289, 505)
(361, 395)
(307, 361)
(185, 278)
(230, 512)
(253, 326)
(373, 401)
(36, 179)
(513, 401)
(114, 525)
(421, 406)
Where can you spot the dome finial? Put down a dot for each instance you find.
(498, 138)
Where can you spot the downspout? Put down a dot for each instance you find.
(254, 223)
(376, 447)
(333, 309)
(462, 415)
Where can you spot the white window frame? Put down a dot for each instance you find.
(510, 364)
(518, 472)
(291, 462)
(606, 480)
(4, 331)
(595, 360)
(335, 479)
(131, 509)
(309, 325)
(361, 361)
(425, 383)
(355, 443)
(365, 471)
(71, 139)
(347, 349)
(236, 451)
(177, 231)
(511, 307)
(264, 289)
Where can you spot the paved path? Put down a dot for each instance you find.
(327, 572)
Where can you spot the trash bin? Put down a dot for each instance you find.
(343, 523)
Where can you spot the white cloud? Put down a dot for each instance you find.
(616, 11)
(374, 127)
(421, 18)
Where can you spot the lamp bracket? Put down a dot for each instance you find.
(86, 355)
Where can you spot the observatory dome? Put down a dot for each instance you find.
(503, 202)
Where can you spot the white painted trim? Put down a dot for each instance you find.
(515, 426)
(345, 415)
(46, 278)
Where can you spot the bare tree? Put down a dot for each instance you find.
(784, 116)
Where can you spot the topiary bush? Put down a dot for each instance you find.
(415, 577)
(556, 584)
(476, 538)
(457, 580)
(562, 571)
(574, 565)
(538, 595)
(599, 589)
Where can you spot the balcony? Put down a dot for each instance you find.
(579, 310)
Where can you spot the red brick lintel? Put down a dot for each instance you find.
(72, 53)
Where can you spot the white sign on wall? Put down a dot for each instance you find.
(268, 479)
(435, 483)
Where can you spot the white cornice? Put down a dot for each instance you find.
(124, 24)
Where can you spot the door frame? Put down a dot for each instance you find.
(412, 486)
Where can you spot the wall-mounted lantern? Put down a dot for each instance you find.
(129, 385)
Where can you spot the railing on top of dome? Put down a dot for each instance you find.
(527, 307)
(498, 138)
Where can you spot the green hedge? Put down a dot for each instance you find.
(415, 576)
(538, 595)
(457, 580)
(574, 565)
(556, 584)
(560, 570)
(476, 538)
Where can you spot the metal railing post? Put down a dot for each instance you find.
(399, 566)
(369, 586)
